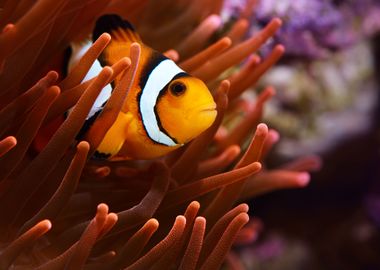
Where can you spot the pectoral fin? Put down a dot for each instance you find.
(115, 136)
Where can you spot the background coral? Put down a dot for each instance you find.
(326, 103)
(47, 201)
(181, 210)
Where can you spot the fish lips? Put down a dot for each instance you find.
(208, 110)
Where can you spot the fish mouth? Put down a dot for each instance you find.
(209, 111)
(207, 108)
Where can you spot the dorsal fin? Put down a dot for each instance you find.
(119, 29)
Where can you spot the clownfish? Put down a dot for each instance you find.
(164, 109)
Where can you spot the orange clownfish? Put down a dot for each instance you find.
(164, 109)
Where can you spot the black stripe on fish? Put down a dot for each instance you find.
(66, 59)
(100, 156)
(162, 129)
(87, 125)
(154, 60)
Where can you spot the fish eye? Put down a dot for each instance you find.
(177, 88)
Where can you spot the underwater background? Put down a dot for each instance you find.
(287, 177)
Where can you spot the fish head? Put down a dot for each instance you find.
(186, 108)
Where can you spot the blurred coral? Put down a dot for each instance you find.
(325, 81)
(47, 199)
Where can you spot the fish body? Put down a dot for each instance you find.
(164, 109)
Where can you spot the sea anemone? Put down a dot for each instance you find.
(180, 211)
